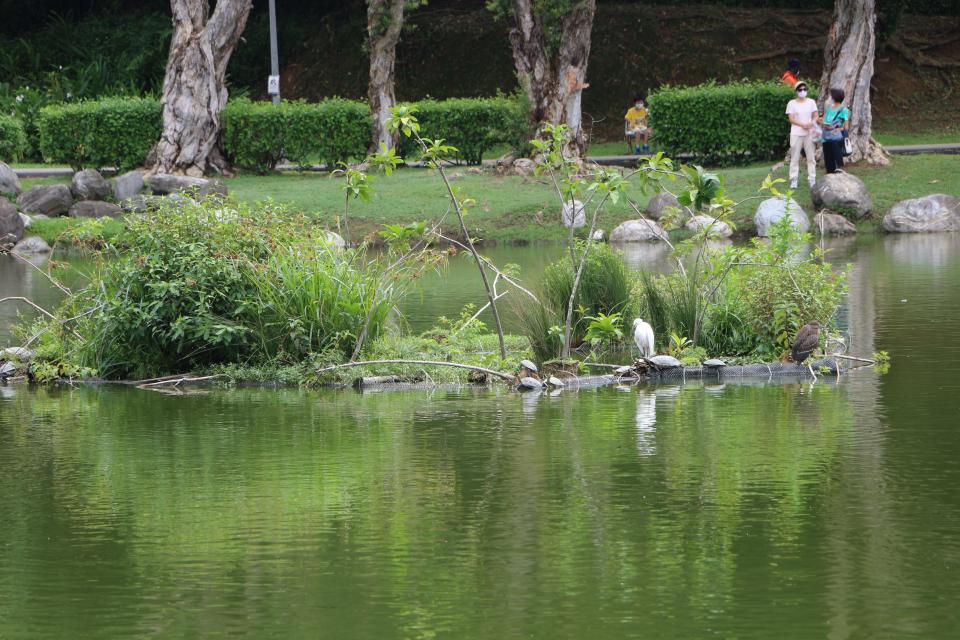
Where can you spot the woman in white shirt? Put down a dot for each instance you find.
(802, 113)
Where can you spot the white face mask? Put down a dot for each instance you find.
(639, 105)
(802, 93)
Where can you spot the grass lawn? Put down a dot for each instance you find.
(525, 209)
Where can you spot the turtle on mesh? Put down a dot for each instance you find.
(663, 362)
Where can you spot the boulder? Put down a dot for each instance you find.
(660, 205)
(94, 209)
(638, 231)
(832, 224)
(599, 235)
(20, 354)
(573, 214)
(938, 212)
(9, 181)
(11, 224)
(127, 185)
(163, 184)
(50, 200)
(336, 240)
(773, 209)
(842, 192)
(718, 228)
(523, 167)
(32, 244)
(90, 185)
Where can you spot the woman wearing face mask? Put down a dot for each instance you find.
(802, 113)
(836, 122)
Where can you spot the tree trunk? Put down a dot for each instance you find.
(848, 65)
(194, 87)
(384, 22)
(551, 61)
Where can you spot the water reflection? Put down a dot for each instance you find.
(932, 249)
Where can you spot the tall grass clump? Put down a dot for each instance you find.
(606, 287)
(221, 282)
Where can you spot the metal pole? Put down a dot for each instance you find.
(274, 61)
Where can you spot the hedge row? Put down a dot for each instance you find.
(113, 132)
(13, 140)
(257, 135)
(722, 123)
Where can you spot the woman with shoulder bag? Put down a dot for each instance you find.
(836, 124)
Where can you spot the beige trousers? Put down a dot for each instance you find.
(805, 143)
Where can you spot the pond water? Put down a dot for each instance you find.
(737, 511)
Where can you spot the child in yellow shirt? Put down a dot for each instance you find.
(635, 125)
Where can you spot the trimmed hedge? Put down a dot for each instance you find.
(472, 125)
(13, 139)
(723, 123)
(113, 132)
(257, 135)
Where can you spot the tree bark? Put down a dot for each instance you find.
(194, 87)
(384, 23)
(551, 61)
(848, 65)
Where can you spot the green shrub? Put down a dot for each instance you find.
(257, 135)
(13, 140)
(116, 132)
(472, 125)
(723, 123)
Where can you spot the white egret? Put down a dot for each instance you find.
(643, 336)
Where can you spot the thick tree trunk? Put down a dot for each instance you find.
(554, 75)
(194, 88)
(848, 65)
(384, 22)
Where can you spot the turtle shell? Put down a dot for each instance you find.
(664, 362)
(714, 362)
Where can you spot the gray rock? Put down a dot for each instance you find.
(661, 204)
(50, 200)
(717, 228)
(17, 353)
(599, 235)
(9, 181)
(27, 220)
(773, 209)
(523, 167)
(929, 214)
(336, 240)
(32, 244)
(573, 214)
(641, 230)
(11, 224)
(842, 192)
(90, 185)
(127, 186)
(833, 224)
(94, 209)
(163, 184)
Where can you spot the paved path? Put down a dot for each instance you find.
(59, 172)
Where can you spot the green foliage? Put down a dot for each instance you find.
(222, 282)
(116, 132)
(13, 140)
(84, 233)
(472, 125)
(257, 135)
(604, 329)
(723, 123)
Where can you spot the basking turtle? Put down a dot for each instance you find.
(555, 381)
(530, 383)
(624, 370)
(529, 366)
(663, 362)
(714, 363)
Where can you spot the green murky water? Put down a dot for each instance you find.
(737, 511)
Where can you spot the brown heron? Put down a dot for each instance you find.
(807, 339)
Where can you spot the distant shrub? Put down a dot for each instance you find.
(13, 140)
(723, 123)
(113, 132)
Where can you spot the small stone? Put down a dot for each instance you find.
(832, 224)
(599, 235)
(50, 200)
(938, 212)
(717, 228)
(641, 230)
(842, 192)
(90, 185)
(9, 181)
(32, 244)
(773, 209)
(94, 209)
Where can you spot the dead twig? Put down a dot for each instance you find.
(431, 363)
(177, 381)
